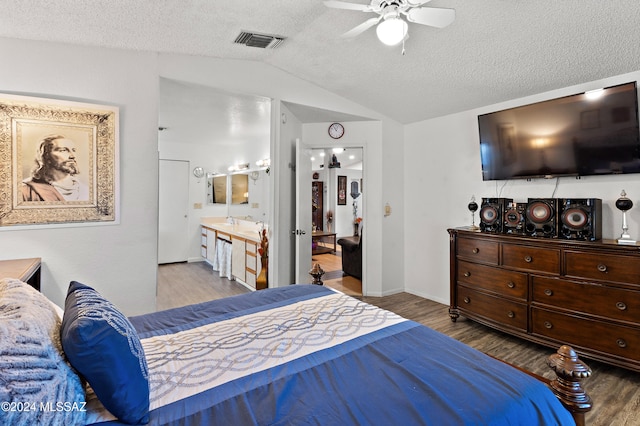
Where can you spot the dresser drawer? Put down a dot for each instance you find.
(603, 267)
(501, 281)
(478, 250)
(531, 258)
(600, 336)
(592, 299)
(497, 309)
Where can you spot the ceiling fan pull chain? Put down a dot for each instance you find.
(403, 48)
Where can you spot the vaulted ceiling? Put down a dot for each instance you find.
(495, 50)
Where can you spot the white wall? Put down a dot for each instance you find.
(442, 172)
(121, 260)
(343, 215)
(118, 260)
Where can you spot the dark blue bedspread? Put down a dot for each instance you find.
(400, 374)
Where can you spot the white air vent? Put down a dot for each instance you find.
(262, 41)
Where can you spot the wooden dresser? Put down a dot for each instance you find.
(551, 291)
(26, 270)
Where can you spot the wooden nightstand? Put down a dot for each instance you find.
(27, 270)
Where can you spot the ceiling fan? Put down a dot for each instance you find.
(392, 29)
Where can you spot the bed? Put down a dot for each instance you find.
(296, 355)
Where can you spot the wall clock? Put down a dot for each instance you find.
(336, 130)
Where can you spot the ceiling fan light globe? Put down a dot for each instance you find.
(392, 31)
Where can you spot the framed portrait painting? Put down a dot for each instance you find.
(58, 162)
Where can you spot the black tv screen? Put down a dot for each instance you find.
(591, 133)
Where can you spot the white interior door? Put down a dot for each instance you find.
(173, 217)
(303, 213)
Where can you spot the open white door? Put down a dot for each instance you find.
(303, 213)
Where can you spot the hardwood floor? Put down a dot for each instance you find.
(333, 276)
(615, 391)
(182, 284)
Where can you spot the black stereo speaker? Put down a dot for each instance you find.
(491, 214)
(542, 217)
(514, 218)
(580, 218)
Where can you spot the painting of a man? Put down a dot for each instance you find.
(62, 166)
(54, 177)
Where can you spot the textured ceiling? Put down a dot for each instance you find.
(494, 51)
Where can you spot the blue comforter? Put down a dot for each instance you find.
(304, 354)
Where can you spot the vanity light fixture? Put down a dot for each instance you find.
(238, 167)
(263, 163)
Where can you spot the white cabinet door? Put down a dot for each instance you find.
(253, 266)
(211, 245)
(238, 258)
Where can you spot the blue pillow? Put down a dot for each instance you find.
(102, 345)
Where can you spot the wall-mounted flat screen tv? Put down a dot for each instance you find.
(591, 133)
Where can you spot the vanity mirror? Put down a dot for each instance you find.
(217, 189)
(240, 188)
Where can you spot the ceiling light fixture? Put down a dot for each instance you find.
(392, 30)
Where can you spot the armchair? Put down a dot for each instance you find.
(351, 255)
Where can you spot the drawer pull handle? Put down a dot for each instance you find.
(467, 300)
(548, 292)
(602, 267)
(621, 343)
(622, 306)
(476, 250)
(511, 284)
(548, 325)
(528, 259)
(510, 314)
(467, 274)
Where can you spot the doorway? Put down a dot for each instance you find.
(337, 205)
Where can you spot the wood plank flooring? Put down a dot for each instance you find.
(615, 391)
(334, 277)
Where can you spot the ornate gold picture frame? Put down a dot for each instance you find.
(58, 162)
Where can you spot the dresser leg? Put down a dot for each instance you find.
(453, 314)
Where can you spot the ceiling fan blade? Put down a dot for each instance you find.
(349, 6)
(432, 16)
(361, 28)
(417, 3)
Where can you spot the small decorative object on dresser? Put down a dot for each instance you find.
(473, 207)
(551, 291)
(623, 204)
